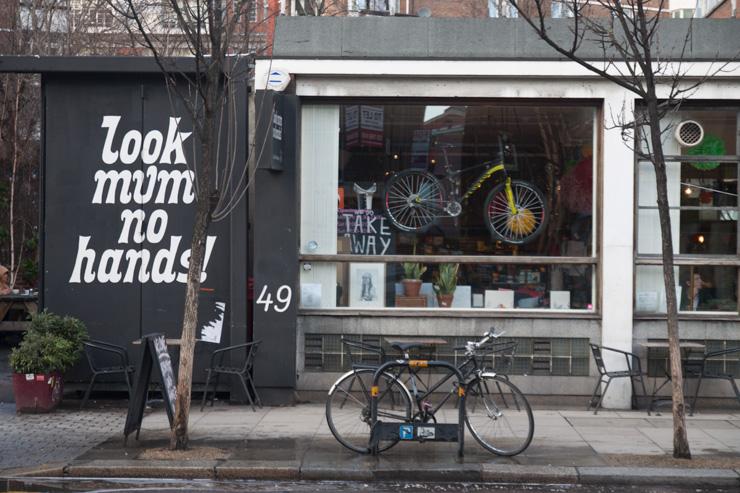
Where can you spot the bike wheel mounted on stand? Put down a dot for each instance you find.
(348, 408)
(522, 224)
(413, 199)
(498, 415)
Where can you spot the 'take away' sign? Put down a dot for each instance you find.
(145, 253)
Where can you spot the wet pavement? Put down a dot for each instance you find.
(36, 439)
(294, 443)
(197, 486)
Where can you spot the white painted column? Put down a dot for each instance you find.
(319, 178)
(616, 248)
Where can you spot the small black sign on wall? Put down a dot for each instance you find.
(155, 355)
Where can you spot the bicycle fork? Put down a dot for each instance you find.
(510, 196)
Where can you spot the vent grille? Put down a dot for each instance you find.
(689, 133)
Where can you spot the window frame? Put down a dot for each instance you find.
(594, 260)
(684, 259)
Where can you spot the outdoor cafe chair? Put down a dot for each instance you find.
(243, 372)
(703, 369)
(105, 358)
(633, 372)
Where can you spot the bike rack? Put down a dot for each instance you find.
(414, 431)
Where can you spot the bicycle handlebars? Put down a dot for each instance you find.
(472, 346)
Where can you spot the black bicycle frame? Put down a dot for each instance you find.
(420, 398)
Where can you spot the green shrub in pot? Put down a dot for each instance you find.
(51, 346)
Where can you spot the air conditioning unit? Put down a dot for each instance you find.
(689, 133)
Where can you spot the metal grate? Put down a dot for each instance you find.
(689, 133)
(533, 356)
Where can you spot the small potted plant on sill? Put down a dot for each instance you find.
(51, 345)
(412, 272)
(445, 284)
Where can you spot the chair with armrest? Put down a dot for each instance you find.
(105, 358)
(243, 372)
(633, 372)
(702, 370)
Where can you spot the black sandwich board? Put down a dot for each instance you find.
(155, 354)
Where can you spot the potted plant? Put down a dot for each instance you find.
(445, 284)
(51, 345)
(412, 272)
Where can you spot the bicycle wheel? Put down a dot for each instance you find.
(498, 415)
(348, 408)
(413, 199)
(524, 225)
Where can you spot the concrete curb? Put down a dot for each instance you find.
(658, 476)
(151, 469)
(291, 470)
(506, 473)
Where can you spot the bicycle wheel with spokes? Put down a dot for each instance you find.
(498, 415)
(348, 408)
(521, 224)
(413, 199)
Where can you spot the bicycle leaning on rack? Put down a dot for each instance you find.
(515, 211)
(496, 412)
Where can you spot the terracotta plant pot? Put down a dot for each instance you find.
(445, 300)
(411, 287)
(37, 392)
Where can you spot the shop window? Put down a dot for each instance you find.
(379, 285)
(702, 179)
(439, 182)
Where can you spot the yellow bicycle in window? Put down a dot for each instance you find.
(514, 211)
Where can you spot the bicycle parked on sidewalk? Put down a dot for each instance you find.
(496, 412)
(514, 211)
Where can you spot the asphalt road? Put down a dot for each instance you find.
(198, 486)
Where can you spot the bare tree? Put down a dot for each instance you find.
(33, 27)
(216, 34)
(628, 36)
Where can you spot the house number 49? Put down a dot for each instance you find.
(282, 298)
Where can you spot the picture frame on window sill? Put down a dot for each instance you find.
(367, 285)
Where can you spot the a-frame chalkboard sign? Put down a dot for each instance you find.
(155, 355)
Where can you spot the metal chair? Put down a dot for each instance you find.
(363, 355)
(700, 369)
(243, 372)
(105, 358)
(633, 371)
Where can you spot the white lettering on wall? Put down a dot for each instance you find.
(140, 229)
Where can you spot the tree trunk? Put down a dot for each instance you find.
(680, 439)
(179, 436)
(13, 175)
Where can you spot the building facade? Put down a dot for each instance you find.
(433, 102)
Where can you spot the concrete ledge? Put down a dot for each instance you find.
(144, 469)
(251, 469)
(529, 474)
(326, 472)
(658, 476)
(45, 470)
(431, 472)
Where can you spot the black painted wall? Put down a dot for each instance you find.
(274, 229)
(114, 308)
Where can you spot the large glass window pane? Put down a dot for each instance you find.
(698, 289)
(704, 208)
(396, 158)
(484, 286)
